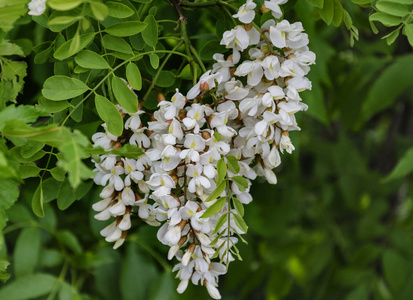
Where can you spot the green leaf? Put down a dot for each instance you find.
(215, 208)
(392, 36)
(222, 170)
(385, 19)
(126, 98)
(75, 44)
(316, 3)
(73, 153)
(338, 13)
(362, 2)
(91, 60)
(64, 50)
(327, 12)
(99, 10)
(395, 269)
(217, 192)
(238, 206)
(391, 83)
(4, 263)
(28, 287)
(241, 182)
(10, 11)
(408, 2)
(65, 195)
(408, 31)
(63, 20)
(70, 240)
(154, 60)
(404, 167)
(127, 28)
(10, 49)
(133, 75)
(26, 252)
(116, 43)
(150, 34)
(221, 221)
(109, 114)
(9, 192)
(64, 4)
(37, 201)
(119, 10)
(391, 8)
(61, 88)
(233, 165)
(57, 173)
(165, 79)
(186, 72)
(31, 148)
(239, 221)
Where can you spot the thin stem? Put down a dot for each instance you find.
(158, 73)
(184, 36)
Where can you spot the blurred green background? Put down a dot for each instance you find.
(334, 227)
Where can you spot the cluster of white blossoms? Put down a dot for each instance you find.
(37, 7)
(202, 150)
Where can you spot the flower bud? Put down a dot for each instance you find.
(206, 135)
(182, 286)
(160, 97)
(204, 86)
(264, 9)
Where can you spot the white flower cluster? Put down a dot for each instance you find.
(244, 107)
(37, 7)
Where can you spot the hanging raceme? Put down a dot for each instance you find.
(202, 150)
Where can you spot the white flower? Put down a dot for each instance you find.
(285, 144)
(246, 12)
(172, 108)
(198, 182)
(236, 39)
(193, 144)
(274, 6)
(205, 83)
(37, 7)
(271, 67)
(252, 69)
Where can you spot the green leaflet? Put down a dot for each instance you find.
(109, 114)
(61, 88)
(116, 43)
(126, 28)
(37, 201)
(64, 4)
(150, 34)
(99, 10)
(404, 167)
(10, 11)
(133, 75)
(65, 51)
(391, 82)
(215, 208)
(27, 251)
(28, 287)
(233, 165)
(126, 98)
(73, 153)
(91, 60)
(119, 10)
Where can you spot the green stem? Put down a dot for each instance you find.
(184, 35)
(158, 73)
(198, 58)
